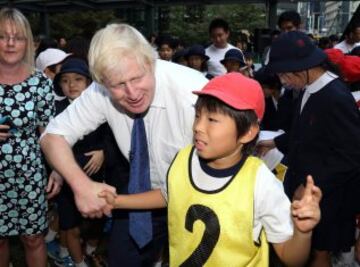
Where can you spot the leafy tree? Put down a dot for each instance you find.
(76, 23)
(191, 23)
(187, 22)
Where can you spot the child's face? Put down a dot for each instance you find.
(166, 52)
(219, 37)
(215, 138)
(249, 61)
(72, 84)
(294, 80)
(195, 62)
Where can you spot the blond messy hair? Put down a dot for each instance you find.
(115, 42)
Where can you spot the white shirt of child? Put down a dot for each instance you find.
(215, 54)
(271, 205)
(316, 86)
(168, 122)
(345, 47)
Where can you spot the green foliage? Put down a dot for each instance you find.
(191, 23)
(69, 24)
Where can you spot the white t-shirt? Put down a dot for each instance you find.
(215, 54)
(345, 47)
(271, 205)
(168, 122)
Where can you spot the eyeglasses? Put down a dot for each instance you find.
(16, 39)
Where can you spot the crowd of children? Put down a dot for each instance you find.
(217, 179)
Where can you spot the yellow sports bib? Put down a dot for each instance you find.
(213, 228)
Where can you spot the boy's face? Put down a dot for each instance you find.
(72, 84)
(219, 37)
(288, 26)
(195, 62)
(166, 52)
(294, 80)
(215, 138)
(355, 35)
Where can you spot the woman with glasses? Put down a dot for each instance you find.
(26, 104)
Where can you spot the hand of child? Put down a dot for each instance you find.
(306, 210)
(54, 184)
(95, 162)
(109, 197)
(4, 132)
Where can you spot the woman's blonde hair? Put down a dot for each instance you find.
(19, 21)
(113, 43)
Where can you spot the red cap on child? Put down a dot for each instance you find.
(238, 91)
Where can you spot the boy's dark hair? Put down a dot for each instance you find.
(219, 23)
(244, 119)
(290, 15)
(334, 38)
(165, 40)
(324, 43)
(268, 79)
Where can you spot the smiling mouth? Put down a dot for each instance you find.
(136, 102)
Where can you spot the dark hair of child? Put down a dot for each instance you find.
(290, 15)
(244, 119)
(219, 23)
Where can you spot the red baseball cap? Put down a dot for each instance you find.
(236, 90)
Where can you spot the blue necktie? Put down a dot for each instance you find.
(140, 223)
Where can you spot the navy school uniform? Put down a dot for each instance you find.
(280, 116)
(69, 216)
(325, 142)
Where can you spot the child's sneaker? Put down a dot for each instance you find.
(53, 250)
(65, 262)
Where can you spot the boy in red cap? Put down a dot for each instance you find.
(240, 203)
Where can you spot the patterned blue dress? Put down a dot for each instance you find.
(23, 204)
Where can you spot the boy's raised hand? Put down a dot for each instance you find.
(306, 210)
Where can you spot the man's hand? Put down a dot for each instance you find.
(54, 184)
(305, 210)
(88, 202)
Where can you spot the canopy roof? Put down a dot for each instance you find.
(72, 5)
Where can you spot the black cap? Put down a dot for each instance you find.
(294, 51)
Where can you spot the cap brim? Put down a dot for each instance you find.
(291, 65)
(242, 63)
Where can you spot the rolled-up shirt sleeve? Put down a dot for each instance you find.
(83, 116)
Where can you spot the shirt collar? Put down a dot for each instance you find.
(320, 82)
